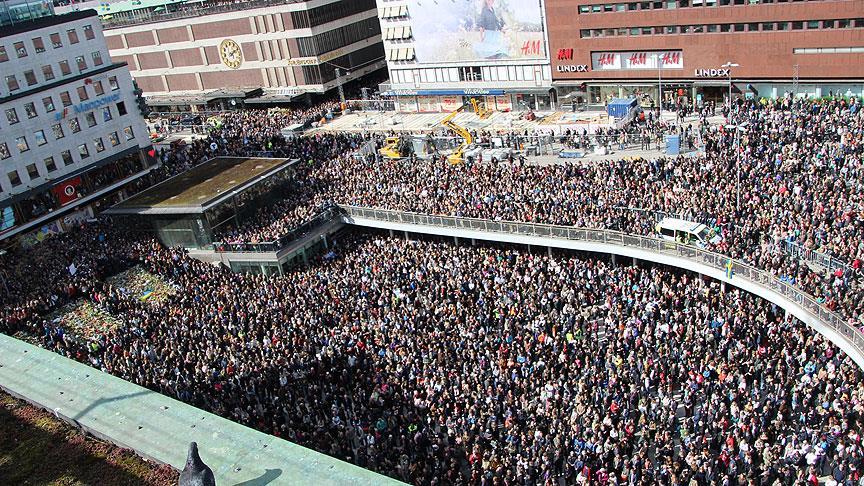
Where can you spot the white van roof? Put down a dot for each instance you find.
(681, 225)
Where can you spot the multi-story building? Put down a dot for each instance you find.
(214, 52)
(695, 50)
(71, 132)
(441, 54)
(14, 11)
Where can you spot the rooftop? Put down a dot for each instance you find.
(202, 187)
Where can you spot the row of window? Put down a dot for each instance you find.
(720, 28)
(469, 73)
(675, 4)
(403, 54)
(65, 156)
(66, 100)
(20, 48)
(12, 83)
(339, 37)
(57, 129)
(397, 33)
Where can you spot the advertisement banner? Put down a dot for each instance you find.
(450, 103)
(636, 60)
(470, 30)
(427, 104)
(503, 103)
(67, 191)
(7, 218)
(408, 104)
(35, 237)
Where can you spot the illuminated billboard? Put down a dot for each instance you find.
(473, 30)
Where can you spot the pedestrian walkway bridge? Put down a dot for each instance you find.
(160, 428)
(714, 265)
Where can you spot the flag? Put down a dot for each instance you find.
(729, 270)
(67, 191)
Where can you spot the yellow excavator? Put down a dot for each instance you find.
(467, 139)
(480, 108)
(391, 148)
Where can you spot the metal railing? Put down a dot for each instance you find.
(300, 231)
(645, 243)
(823, 260)
(150, 16)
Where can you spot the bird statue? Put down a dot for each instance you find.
(196, 473)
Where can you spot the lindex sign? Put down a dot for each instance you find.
(712, 73)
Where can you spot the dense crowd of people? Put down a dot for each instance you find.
(441, 364)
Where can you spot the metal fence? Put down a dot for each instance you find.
(671, 248)
(817, 258)
(326, 215)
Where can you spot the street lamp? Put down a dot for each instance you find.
(728, 66)
(738, 129)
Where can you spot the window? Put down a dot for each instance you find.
(3, 56)
(30, 77)
(32, 171)
(813, 24)
(30, 110)
(585, 33)
(4, 151)
(100, 146)
(843, 23)
(67, 157)
(114, 139)
(38, 45)
(859, 22)
(632, 6)
(65, 98)
(782, 25)
(47, 72)
(12, 82)
(58, 131)
(20, 50)
(106, 114)
(797, 25)
(725, 27)
(97, 58)
(73, 36)
(97, 87)
(129, 133)
(11, 116)
(753, 27)
(82, 64)
(91, 119)
(739, 28)
(65, 70)
(83, 151)
(767, 26)
(39, 135)
(583, 8)
(827, 24)
(22, 145)
(712, 28)
(74, 125)
(48, 104)
(14, 178)
(55, 40)
(50, 166)
(88, 32)
(82, 93)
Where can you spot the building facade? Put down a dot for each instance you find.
(15, 11)
(693, 50)
(71, 133)
(210, 51)
(442, 54)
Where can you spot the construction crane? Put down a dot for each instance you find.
(480, 108)
(467, 139)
